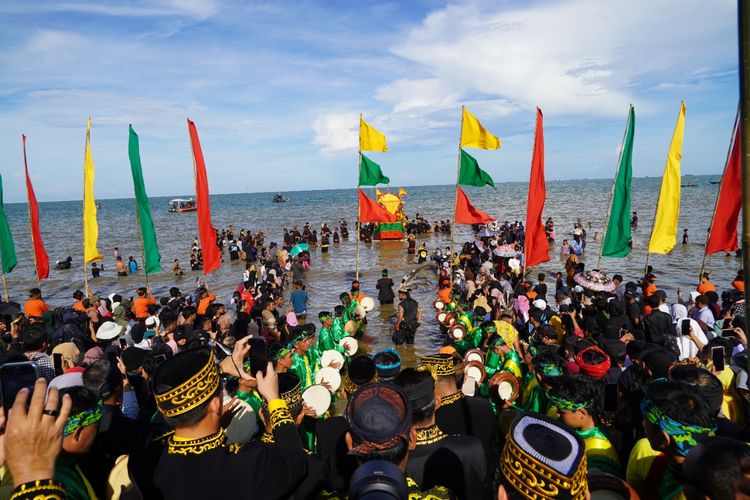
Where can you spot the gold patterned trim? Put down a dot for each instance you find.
(452, 398)
(280, 416)
(43, 489)
(438, 365)
(267, 438)
(535, 480)
(180, 446)
(192, 393)
(429, 435)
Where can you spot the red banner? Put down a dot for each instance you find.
(40, 255)
(369, 211)
(723, 235)
(536, 246)
(211, 254)
(466, 213)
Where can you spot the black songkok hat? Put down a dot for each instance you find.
(361, 371)
(186, 381)
(379, 416)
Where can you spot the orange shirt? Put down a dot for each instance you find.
(78, 306)
(649, 290)
(140, 306)
(445, 295)
(706, 286)
(204, 303)
(35, 307)
(739, 285)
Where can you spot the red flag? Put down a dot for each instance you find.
(536, 246)
(369, 211)
(723, 235)
(211, 255)
(466, 213)
(40, 255)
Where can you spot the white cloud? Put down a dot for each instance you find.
(336, 132)
(199, 9)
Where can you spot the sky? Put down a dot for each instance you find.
(276, 88)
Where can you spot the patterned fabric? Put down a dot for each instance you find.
(183, 446)
(447, 400)
(192, 393)
(46, 367)
(86, 417)
(46, 489)
(682, 434)
(600, 453)
(567, 404)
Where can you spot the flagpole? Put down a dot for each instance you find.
(612, 192)
(5, 289)
(140, 239)
(358, 224)
(718, 193)
(455, 200)
(526, 229)
(83, 217)
(31, 229)
(744, 53)
(195, 175)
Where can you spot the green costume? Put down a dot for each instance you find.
(337, 329)
(305, 366)
(77, 487)
(327, 341)
(254, 400)
(533, 396)
(600, 453)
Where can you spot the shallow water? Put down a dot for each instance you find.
(332, 274)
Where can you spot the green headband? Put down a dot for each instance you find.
(86, 417)
(683, 435)
(567, 404)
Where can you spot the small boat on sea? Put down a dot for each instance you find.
(689, 185)
(715, 182)
(278, 198)
(180, 205)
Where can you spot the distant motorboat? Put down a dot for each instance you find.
(715, 182)
(179, 205)
(689, 185)
(278, 198)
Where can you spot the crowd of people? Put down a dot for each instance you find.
(571, 387)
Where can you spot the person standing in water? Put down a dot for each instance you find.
(409, 316)
(685, 236)
(385, 289)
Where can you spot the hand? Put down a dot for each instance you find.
(335, 364)
(327, 385)
(628, 337)
(268, 384)
(228, 411)
(232, 365)
(307, 411)
(34, 439)
(123, 374)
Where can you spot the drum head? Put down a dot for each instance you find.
(318, 398)
(474, 355)
(329, 356)
(330, 376)
(350, 327)
(450, 318)
(350, 345)
(368, 304)
(360, 312)
(439, 305)
(458, 332)
(475, 370)
(504, 387)
(440, 317)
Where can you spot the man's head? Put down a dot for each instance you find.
(676, 418)
(35, 293)
(141, 291)
(34, 338)
(104, 380)
(701, 301)
(712, 466)
(420, 389)
(82, 424)
(326, 320)
(576, 399)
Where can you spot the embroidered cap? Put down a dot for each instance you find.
(543, 459)
(361, 370)
(186, 381)
(387, 363)
(379, 417)
(439, 365)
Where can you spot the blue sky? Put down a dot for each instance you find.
(276, 88)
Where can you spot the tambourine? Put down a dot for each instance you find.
(360, 312)
(504, 387)
(475, 370)
(440, 316)
(318, 398)
(606, 486)
(450, 318)
(350, 345)
(330, 376)
(368, 304)
(457, 331)
(439, 305)
(474, 355)
(350, 327)
(332, 355)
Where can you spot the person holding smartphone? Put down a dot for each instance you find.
(690, 336)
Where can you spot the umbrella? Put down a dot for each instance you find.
(9, 308)
(299, 248)
(595, 281)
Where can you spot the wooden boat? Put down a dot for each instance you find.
(180, 205)
(278, 198)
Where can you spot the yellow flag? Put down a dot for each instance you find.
(369, 138)
(664, 232)
(402, 192)
(90, 227)
(378, 192)
(474, 135)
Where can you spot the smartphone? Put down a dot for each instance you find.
(160, 358)
(717, 353)
(610, 397)
(685, 327)
(14, 377)
(123, 343)
(258, 356)
(729, 333)
(57, 361)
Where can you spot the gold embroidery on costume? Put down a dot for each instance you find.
(429, 435)
(43, 489)
(534, 479)
(178, 446)
(279, 417)
(192, 393)
(451, 398)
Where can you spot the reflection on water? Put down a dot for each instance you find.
(332, 273)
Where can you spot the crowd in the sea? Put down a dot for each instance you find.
(571, 386)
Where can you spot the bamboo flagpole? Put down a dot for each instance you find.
(358, 224)
(455, 200)
(718, 193)
(31, 229)
(744, 53)
(612, 192)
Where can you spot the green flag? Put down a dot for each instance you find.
(151, 254)
(7, 249)
(617, 238)
(471, 174)
(370, 173)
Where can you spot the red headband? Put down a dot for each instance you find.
(596, 371)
